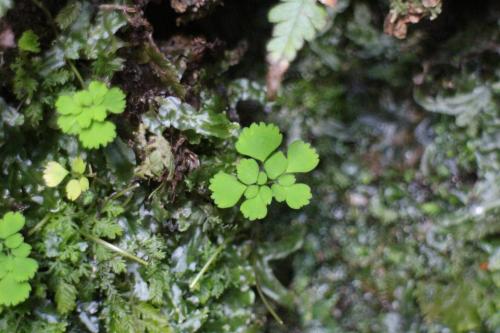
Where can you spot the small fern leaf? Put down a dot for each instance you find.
(296, 21)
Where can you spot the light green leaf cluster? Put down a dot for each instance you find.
(258, 184)
(295, 21)
(54, 173)
(16, 269)
(84, 114)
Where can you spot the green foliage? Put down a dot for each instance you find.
(296, 21)
(54, 173)
(84, 114)
(259, 141)
(29, 42)
(16, 269)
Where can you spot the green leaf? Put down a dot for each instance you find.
(29, 42)
(279, 192)
(265, 194)
(65, 297)
(73, 189)
(54, 173)
(83, 98)
(99, 134)
(226, 190)
(68, 124)
(22, 251)
(68, 14)
(286, 180)
(13, 292)
(262, 179)
(259, 141)
(78, 166)
(84, 184)
(298, 195)
(10, 224)
(276, 165)
(301, 157)
(248, 171)
(295, 21)
(13, 241)
(98, 90)
(114, 100)
(84, 119)
(96, 112)
(22, 269)
(66, 105)
(252, 191)
(254, 209)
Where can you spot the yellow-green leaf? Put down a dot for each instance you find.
(54, 174)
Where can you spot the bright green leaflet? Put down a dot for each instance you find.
(259, 141)
(84, 113)
(273, 178)
(226, 190)
(301, 157)
(16, 269)
(248, 171)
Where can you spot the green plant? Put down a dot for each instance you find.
(295, 22)
(29, 42)
(16, 269)
(54, 173)
(274, 177)
(84, 113)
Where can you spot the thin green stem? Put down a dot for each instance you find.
(204, 269)
(77, 73)
(39, 225)
(117, 195)
(115, 248)
(266, 303)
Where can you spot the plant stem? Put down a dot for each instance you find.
(212, 258)
(39, 225)
(266, 303)
(119, 194)
(77, 73)
(115, 249)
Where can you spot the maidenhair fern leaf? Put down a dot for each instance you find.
(260, 183)
(259, 141)
(254, 209)
(226, 190)
(276, 165)
(248, 171)
(298, 195)
(301, 157)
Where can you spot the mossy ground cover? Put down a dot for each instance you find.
(401, 233)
